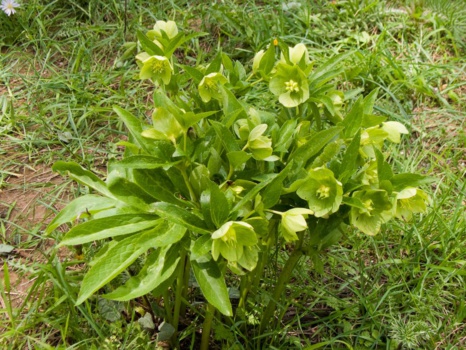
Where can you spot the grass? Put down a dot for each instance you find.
(60, 74)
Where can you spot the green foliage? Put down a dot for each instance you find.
(204, 185)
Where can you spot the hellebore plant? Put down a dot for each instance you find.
(213, 187)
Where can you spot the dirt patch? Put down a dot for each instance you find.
(29, 197)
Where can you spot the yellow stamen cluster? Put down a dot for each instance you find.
(323, 192)
(291, 86)
(158, 67)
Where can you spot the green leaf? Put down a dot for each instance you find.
(268, 60)
(315, 143)
(143, 162)
(111, 226)
(349, 162)
(134, 126)
(285, 136)
(116, 260)
(352, 122)
(110, 310)
(401, 181)
(148, 45)
(212, 284)
(130, 193)
(271, 194)
(232, 109)
(201, 247)
(353, 202)
(180, 216)
(179, 40)
(384, 170)
(83, 176)
(80, 207)
(320, 75)
(157, 184)
(252, 193)
(369, 101)
(328, 154)
(238, 158)
(215, 65)
(6, 249)
(158, 271)
(196, 74)
(219, 206)
(228, 140)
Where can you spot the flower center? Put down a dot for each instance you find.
(369, 205)
(291, 86)
(158, 67)
(229, 238)
(210, 85)
(323, 192)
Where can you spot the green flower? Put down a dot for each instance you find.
(296, 54)
(166, 127)
(208, 87)
(376, 135)
(157, 68)
(323, 192)
(409, 201)
(235, 241)
(259, 145)
(290, 85)
(257, 60)
(169, 27)
(376, 209)
(394, 131)
(294, 220)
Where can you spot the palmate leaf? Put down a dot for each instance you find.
(157, 184)
(109, 227)
(212, 284)
(180, 216)
(134, 126)
(83, 176)
(122, 254)
(85, 205)
(158, 272)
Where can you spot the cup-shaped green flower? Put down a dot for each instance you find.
(165, 126)
(257, 60)
(231, 239)
(290, 84)
(297, 53)
(409, 201)
(394, 131)
(293, 221)
(157, 68)
(376, 209)
(208, 87)
(323, 192)
(259, 145)
(169, 27)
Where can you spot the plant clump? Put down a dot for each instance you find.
(220, 180)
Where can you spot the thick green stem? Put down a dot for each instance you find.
(207, 326)
(283, 280)
(179, 292)
(187, 271)
(188, 185)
